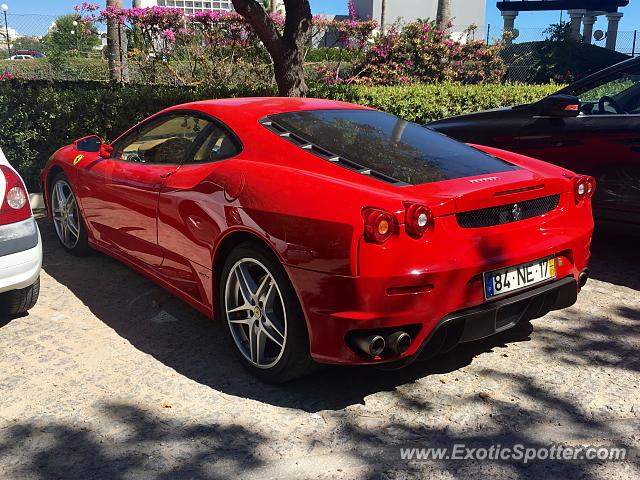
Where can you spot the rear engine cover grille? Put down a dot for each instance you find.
(513, 212)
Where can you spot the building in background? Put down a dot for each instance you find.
(191, 6)
(195, 6)
(3, 34)
(464, 13)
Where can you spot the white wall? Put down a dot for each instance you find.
(464, 12)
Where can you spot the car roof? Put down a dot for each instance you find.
(230, 110)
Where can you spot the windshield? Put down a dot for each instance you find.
(389, 145)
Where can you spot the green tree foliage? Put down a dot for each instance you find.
(67, 39)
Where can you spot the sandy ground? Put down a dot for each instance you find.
(111, 377)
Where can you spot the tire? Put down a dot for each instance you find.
(269, 313)
(66, 211)
(17, 302)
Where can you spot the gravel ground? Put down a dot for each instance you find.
(111, 377)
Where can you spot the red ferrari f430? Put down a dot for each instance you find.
(326, 232)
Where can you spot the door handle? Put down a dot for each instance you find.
(166, 175)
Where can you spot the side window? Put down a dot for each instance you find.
(610, 96)
(216, 144)
(167, 141)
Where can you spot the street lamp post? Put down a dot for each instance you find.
(73, 32)
(5, 8)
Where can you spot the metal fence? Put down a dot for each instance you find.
(628, 42)
(28, 25)
(520, 60)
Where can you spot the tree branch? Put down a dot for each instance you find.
(264, 27)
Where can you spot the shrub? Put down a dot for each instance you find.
(424, 103)
(328, 54)
(422, 52)
(38, 117)
(69, 68)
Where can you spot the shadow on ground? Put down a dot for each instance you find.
(196, 347)
(143, 444)
(176, 335)
(615, 258)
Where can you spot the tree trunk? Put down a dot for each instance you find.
(383, 15)
(117, 47)
(443, 16)
(286, 48)
(289, 73)
(137, 3)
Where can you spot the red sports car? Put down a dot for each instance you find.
(325, 232)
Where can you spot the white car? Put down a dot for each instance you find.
(21, 57)
(20, 245)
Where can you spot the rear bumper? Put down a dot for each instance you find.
(21, 257)
(495, 317)
(485, 320)
(414, 286)
(423, 319)
(18, 237)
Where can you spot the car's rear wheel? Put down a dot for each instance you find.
(16, 302)
(263, 315)
(67, 219)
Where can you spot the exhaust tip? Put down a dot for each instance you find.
(372, 345)
(584, 276)
(399, 342)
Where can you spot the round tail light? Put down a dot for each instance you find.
(16, 198)
(378, 225)
(417, 220)
(584, 187)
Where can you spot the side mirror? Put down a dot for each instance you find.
(559, 106)
(93, 144)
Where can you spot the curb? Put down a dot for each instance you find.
(36, 200)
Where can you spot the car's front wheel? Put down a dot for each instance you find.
(263, 315)
(67, 219)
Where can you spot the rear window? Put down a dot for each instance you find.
(389, 145)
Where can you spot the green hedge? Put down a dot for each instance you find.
(426, 103)
(46, 69)
(38, 117)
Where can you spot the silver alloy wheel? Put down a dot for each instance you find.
(256, 313)
(66, 217)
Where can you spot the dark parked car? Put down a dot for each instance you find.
(590, 127)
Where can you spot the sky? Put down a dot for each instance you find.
(630, 21)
